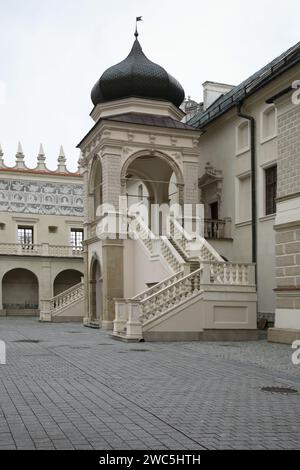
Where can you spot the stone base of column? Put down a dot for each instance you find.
(107, 325)
(45, 317)
(91, 323)
(282, 335)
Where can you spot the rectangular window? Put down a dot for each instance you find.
(76, 237)
(244, 199)
(271, 189)
(25, 236)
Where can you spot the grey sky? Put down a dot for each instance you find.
(53, 51)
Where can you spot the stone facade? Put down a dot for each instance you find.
(50, 205)
(287, 224)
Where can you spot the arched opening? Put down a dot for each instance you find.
(95, 291)
(20, 290)
(66, 279)
(95, 187)
(150, 181)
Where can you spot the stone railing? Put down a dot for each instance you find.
(66, 298)
(170, 297)
(140, 230)
(214, 228)
(207, 252)
(171, 255)
(241, 274)
(193, 245)
(65, 251)
(181, 236)
(217, 229)
(40, 250)
(132, 314)
(52, 307)
(159, 286)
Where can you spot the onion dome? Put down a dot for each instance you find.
(137, 76)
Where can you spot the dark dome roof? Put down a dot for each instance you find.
(137, 76)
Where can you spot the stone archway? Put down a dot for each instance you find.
(162, 180)
(20, 290)
(65, 280)
(95, 291)
(161, 162)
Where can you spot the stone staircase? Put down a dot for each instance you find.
(67, 306)
(191, 301)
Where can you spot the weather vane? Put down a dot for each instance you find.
(138, 18)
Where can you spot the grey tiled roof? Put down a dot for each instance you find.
(150, 120)
(247, 87)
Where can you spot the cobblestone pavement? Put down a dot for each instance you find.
(70, 387)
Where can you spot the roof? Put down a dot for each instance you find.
(150, 120)
(142, 119)
(249, 86)
(137, 76)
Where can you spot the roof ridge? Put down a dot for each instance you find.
(200, 119)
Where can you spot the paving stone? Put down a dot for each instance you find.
(178, 396)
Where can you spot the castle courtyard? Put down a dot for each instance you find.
(69, 387)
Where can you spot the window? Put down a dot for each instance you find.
(269, 123)
(243, 137)
(271, 189)
(244, 199)
(76, 237)
(25, 236)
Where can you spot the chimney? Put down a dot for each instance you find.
(212, 91)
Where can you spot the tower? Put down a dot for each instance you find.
(140, 150)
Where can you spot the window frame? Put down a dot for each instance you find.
(76, 244)
(268, 185)
(22, 240)
(266, 138)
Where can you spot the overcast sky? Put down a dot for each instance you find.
(53, 51)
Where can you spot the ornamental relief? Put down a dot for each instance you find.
(30, 197)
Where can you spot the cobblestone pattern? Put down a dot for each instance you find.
(79, 389)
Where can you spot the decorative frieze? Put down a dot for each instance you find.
(36, 197)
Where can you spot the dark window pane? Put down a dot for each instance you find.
(271, 189)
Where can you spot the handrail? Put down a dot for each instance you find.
(151, 290)
(66, 298)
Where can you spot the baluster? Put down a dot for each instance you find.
(237, 274)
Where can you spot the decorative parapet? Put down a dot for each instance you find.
(60, 251)
(41, 167)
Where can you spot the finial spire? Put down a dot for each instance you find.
(61, 160)
(41, 158)
(138, 18)
(20, 157)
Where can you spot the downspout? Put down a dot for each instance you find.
(251, 119)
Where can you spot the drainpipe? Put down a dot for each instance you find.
(253, 181)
